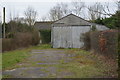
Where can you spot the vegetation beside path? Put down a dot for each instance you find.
(83, 65)
(11, 58)
(87, 65)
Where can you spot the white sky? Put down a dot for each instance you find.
(55, 0)
(17, 7)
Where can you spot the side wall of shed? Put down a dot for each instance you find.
(101, 27)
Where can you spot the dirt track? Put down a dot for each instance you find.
(42, 63)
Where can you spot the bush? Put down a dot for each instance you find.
(19, 35)
(104, 42)
(35, 37)
(23, 39)
(7, 44)
(86, 40)
(20, 40)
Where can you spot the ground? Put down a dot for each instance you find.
(42, 62)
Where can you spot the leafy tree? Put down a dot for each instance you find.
(99, 21)
(13, 27)
(112, 22)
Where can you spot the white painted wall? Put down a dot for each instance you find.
(68, 37)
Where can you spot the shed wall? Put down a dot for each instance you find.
(68, 37)
(101, 27)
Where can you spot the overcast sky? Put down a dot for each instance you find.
(17, 7)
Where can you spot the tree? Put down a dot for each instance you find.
(111, 22)
(0, 19)
(0, 26)
(43, 18)
(95, 11)
(77, 7)
(58, 11)
(117, 21)
(100, 10)
(30, 16)
(118, 5)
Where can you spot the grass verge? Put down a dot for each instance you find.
(10, 58)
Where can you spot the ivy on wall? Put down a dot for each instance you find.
(45, 36)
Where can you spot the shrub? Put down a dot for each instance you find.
(35, 37)
(94, 36)
(0, 45)
(104, 42)
(20, 40)
(7, 44)
(93, 28)
(119, 52)
(23, 39)
(19, 35)
(86, 40)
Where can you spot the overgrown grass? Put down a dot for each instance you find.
(13, 57)
(10, 58)
(83, 65)
(87, 65)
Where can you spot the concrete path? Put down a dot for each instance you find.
(42, 64)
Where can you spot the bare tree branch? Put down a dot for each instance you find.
(30, 15)
(118, 5)
(77, 7)
(58, 11)
(98, 9)
(44, 18)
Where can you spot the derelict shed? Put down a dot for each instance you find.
(43, 25)
(67, 32)
(44, 28)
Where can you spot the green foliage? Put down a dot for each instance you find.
(93, 28)
(12, 27)
(45, 36)
(99, 21)
(117, 21)
(44, 46)
(112, 22)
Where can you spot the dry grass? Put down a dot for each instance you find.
(90, 65)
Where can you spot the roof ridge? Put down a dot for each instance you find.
(73, 15)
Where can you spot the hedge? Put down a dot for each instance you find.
(20, 40)
(104, 42)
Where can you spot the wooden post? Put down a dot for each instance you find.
(3, 22)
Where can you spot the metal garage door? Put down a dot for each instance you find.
(68, 37)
